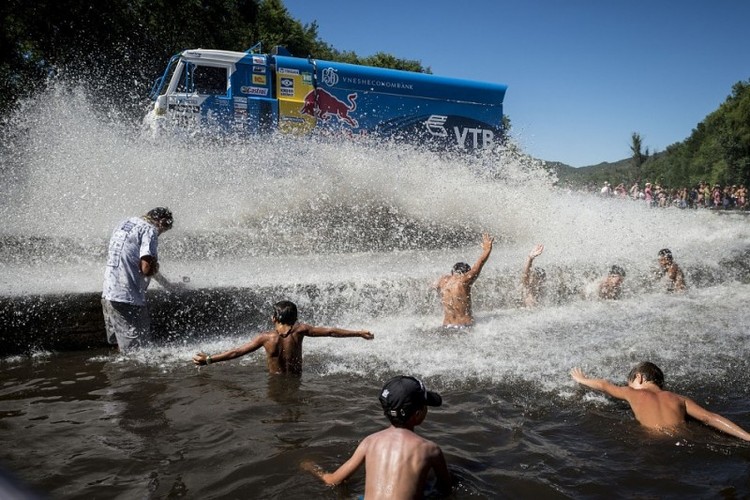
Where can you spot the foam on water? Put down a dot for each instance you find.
(373, 225)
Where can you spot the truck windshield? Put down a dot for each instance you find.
(210, 80)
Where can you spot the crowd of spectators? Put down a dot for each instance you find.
(703, 195)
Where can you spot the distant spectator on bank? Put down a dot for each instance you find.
(131, 263)
(741, 197)
(648, 194)
(716, 196)
(671, 272)
(635, 190)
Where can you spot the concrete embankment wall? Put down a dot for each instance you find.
(31, 323)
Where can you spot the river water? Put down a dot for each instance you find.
(355, 234)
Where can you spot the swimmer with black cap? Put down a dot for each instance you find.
(398, 460)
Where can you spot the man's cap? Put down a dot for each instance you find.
(402, 396)
(162, 215)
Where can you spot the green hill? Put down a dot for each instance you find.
(717, 152)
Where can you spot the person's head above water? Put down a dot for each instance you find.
(650, 373)
(666, 254)
(285, 312)
(461, 268)
(616, 270)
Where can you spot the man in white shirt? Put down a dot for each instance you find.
(131, 263)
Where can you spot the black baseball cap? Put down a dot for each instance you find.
(402, 396)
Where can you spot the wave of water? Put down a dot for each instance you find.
(355, 231)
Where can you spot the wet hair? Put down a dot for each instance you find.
(403, 416)
(617, 271)
(161, 216)
(666, 252)
(650, 372)
(461, 268)
(285, 312)
(540, 273)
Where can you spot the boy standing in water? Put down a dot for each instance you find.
(611, 286)
(674, 276)
(283, 344)
(532, 281)
(455, 288)
(655, 408)
(397, 460)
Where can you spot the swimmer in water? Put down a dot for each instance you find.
(655, 408)
(532, 280)
(611, 286)
(455, 288)
(283, 344)
(397, 460)
(671, 271)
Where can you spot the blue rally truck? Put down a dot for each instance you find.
(251, 93)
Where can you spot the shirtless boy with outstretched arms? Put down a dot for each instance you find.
(283, 344)
(654, 407)
(397, 460)
(455, 288)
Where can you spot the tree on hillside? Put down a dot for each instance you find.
(638, 157)
(116, 48)
(717, 151)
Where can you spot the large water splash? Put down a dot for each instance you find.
(355, 231)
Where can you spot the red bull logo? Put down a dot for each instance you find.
(322, 105)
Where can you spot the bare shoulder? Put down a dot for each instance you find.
(302, 328)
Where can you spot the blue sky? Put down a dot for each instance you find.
(582, 75)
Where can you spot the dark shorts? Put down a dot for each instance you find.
(128, 326)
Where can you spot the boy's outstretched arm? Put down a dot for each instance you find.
(342, 473)
(526, 275)
(325, 331)
(205, 359)
(616, 391)
(715, 420)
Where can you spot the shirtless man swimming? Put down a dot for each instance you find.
(397, 460)
(455, 288)
(655, 408)
(283, 344)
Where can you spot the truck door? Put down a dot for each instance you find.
(201, 96)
